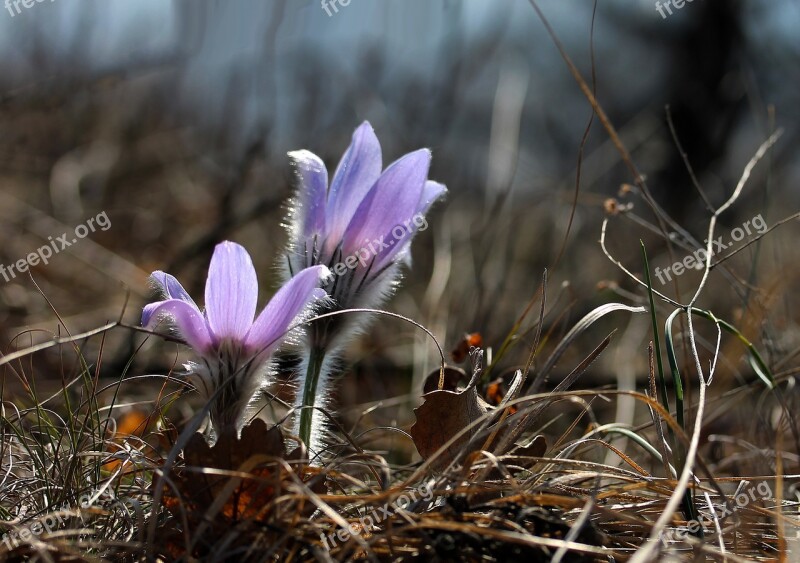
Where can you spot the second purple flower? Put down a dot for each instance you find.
(360, 225)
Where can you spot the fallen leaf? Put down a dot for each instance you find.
(445, 413)
(198, 488)
(536, 448)
(132, 423)
(452, 377)
(235, 483)
(231, 452)
(461, 350)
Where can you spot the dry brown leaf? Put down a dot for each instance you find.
(231, 452)
(245, 500)
(461, 350)
(445, 413)
(448, 411)
(536, 448)
(452, 377)
(198, 489)
(133, 423)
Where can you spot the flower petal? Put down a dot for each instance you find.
(231, 291)
(430, 194)
(400, 250)
(291, 300)
(357, 172)
(312, 193)
(391, 202)
(186, 317)
(171, 287)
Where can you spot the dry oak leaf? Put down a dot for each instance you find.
(238, 483)
(251, 497)
(445, 413)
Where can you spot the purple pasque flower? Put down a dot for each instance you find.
(233, 346)
(362, 224)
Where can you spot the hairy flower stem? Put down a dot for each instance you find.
(315, 359)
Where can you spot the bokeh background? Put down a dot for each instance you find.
(174, 118)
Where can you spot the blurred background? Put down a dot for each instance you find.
(174, 118)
